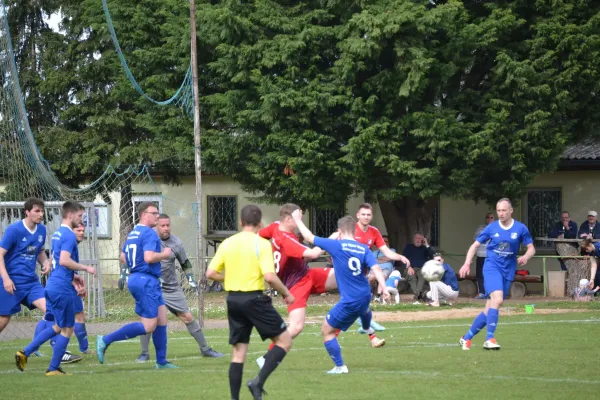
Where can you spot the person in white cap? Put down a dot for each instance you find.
(590, 229)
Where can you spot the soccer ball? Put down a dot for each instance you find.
(432, 271)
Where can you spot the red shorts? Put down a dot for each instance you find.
(312, 283)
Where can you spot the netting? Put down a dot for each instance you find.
(110, 203)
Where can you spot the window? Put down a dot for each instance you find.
(543, 210)
(435, 227)
(222, 214)
(138, 199)
(324, 222)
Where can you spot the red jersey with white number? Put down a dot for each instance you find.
(371, 237)
(287, 254)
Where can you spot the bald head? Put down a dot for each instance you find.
(504, 210)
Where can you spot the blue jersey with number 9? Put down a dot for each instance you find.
(142, 238)
(349, 257)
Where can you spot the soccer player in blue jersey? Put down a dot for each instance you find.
(142, 253)
(349, 257)
(20, 251)
(505, 238)
(60, 292)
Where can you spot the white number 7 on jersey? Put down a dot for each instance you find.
(130, 253)
(354, 265)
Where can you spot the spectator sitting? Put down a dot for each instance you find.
(564, 229)
(583, 292)
(590, 229)
(481, 255)
(386, 264)
(417, 252)
(392, 285)
(446, 289)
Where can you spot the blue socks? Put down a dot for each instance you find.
(492, 321)
(58, 351)
(39, 339)
(366, 320)
(126, 332)
(159, 337)
(81, 334)
(478, 324)
(335, 352)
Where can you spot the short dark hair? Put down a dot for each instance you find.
(347, 224)
(287, 209)
(71, 206)
(144, 206)
(384, 236)
(32, 202)
(163, 216)
(251, 215)
(565, 212)
(80, 224)
(368, 206)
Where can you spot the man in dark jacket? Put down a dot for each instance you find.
(564, 229)
(417, 252)
(590, 228)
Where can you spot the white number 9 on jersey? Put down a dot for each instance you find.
(354, 265)
(276, 260)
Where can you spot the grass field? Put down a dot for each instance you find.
(543, 357)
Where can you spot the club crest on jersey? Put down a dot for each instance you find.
(370, 241)
(513, 235)
(40, 238)
(497, 234)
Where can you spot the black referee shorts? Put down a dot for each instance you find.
(246, 310)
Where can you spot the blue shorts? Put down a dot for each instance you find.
(494, 280)
(78, 304)
(63, 308)
(25, 294)
(146, 291)
(343, 314)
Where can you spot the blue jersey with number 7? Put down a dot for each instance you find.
(349, 257)
(139, 240)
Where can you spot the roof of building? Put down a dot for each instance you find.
(588, 149)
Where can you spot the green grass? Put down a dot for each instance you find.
(543, 357)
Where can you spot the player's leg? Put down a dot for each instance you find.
(240, 329)
(39, 339)
(366, 317)
(159, 338)
(143, 289)
(144, 344)
(420, 282)
(337, 319)
(269, 325)
(331, 283)
(493, 308)
(63, 308)
(80, 329)
(493, 281)
(4, 320)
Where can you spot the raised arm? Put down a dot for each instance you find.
(304, 231)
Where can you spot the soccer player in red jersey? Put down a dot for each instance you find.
(290, 258)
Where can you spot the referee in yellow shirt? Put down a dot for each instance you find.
(244, 261)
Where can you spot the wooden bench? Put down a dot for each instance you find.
(518, 289)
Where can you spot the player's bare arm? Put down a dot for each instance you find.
(304, 231)
(66, 261)
(274, 281)
(394, 256)
(593, 269)
(527, 256)
(466, 268)
(9, 286)
(214, 275)
(122, 258)
(152, 257)
(44, 262)
(376, 269)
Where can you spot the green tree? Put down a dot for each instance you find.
(405, 101)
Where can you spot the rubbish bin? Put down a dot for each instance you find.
(556, 283)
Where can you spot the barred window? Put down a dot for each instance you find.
(543, 210)
(222, 214)
(324, 222)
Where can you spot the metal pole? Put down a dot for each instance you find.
(545, 277)
(197, 160)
